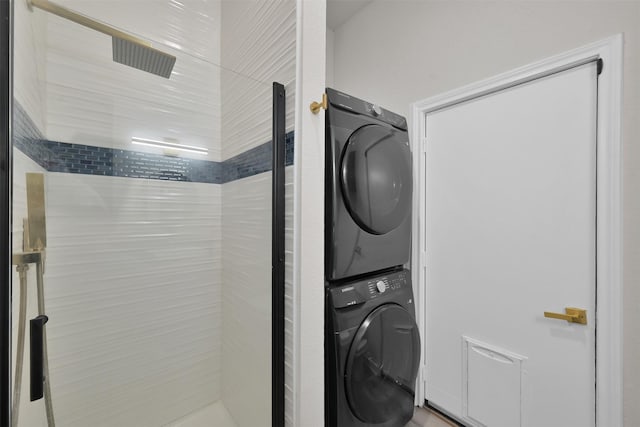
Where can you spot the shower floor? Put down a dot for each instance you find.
(216, 415)
(213, 415)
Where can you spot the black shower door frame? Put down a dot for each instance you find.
(277, 255)
(6, 97)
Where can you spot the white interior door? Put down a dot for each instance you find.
(511, 233)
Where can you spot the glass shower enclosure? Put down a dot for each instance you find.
(143, 188)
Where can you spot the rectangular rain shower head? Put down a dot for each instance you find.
(127, 49)
(143, 58)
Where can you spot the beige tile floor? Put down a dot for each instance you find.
(423, 417)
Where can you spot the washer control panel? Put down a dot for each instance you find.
(363, 290)
(387, 283)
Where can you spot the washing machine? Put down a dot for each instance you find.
(372, 350)
(368, 183)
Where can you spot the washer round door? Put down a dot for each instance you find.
(375, 175)
(382, 365)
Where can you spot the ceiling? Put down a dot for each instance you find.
(339, 11)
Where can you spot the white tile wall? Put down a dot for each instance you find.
(190, 26)
(29, 65)
(246, 275)
(259, 42)
(246, 113)
(246, 300)
(93, 100)
(134, 299)
(289, 294)
(29, 80)
(31, 414)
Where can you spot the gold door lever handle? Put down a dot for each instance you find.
(573, 315)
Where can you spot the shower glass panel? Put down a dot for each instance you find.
(142, 214)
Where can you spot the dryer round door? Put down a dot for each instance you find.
(382, 365)
(375, 175)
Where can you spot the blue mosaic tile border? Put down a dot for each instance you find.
(90, 160)
(26, 134)
(255, 160)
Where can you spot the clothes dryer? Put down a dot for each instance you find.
(368, 181)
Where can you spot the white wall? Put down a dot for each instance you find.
(331, 39)
(422, 48)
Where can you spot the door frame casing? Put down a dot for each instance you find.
(307, 360)
(609, 343)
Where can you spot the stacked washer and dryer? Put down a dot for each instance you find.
(372, 344)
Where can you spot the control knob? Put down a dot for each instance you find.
(381, 286)
(376, 110)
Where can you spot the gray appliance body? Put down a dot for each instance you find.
(372, 350)
(368, 181)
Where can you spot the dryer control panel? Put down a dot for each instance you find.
(356, 105)
(363, 290)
